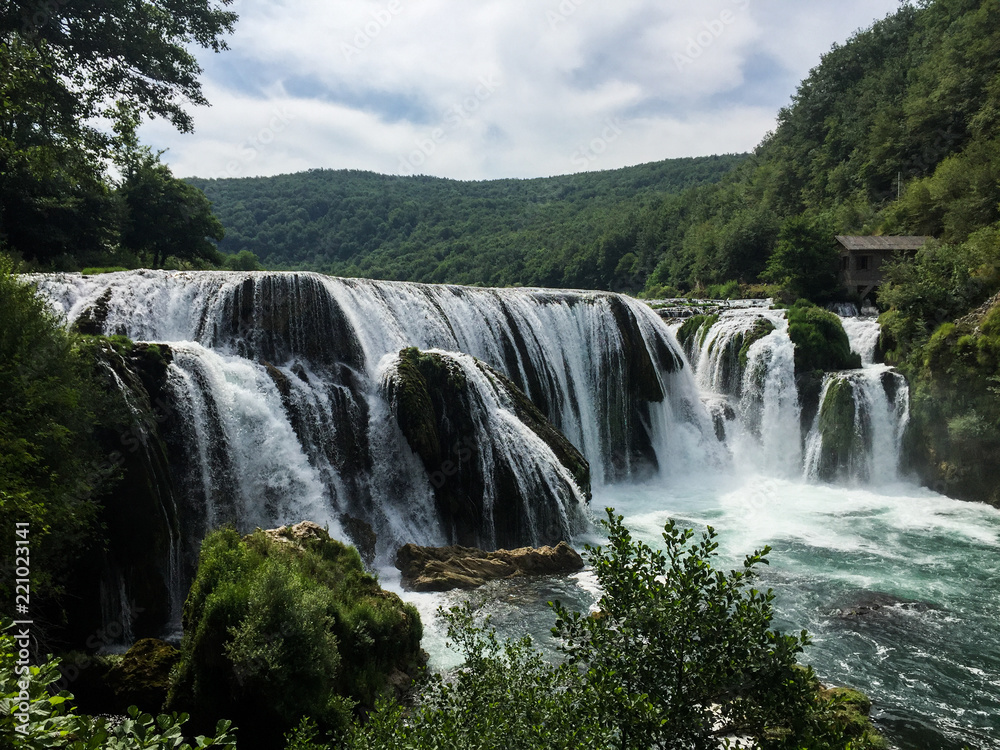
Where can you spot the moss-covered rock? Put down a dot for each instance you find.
(761, 328)
(844, 437)
(437, 411)
(692, 333)
(142, 677)
(820, 340)
(287, 623)
(953, 443)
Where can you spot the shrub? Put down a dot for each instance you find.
(50, 721)
(275, 629)
(51, 467)
(678, 655)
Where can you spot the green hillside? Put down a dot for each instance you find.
(558, 231)
(909, 108)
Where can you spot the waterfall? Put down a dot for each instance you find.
(294, 396)
(276, 385)
(744, 365)
(858, 431)
(863, 334)
(769, 405)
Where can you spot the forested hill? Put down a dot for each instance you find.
(555, 231)
(909, 108)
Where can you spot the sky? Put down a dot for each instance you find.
(486, 89)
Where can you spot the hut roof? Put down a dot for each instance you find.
(882, 243)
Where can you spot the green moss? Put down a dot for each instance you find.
(762, 327)
(844, 439)
(91, 321)
(142, 676)
(417, 375)
(694, 330)
(836, 421)
(848, 709)
(276, 629)
(820, 340)
(100, 270)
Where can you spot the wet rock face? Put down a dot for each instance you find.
(874, 604)
(278, 317)
(447, 568)
(484, 494)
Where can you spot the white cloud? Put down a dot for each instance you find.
(500, 88)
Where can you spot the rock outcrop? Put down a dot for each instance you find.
(446, 568)
(142, 677)
(497, 482)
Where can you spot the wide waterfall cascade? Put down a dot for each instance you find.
(744, 363)
(278, 412)
(275, 380)
(858, 431)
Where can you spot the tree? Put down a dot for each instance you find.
(244, 260)
(51, 469)
(101, 54)
(64, 64)
(167, 216)
(805, 260)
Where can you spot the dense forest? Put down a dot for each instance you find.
(556, 232)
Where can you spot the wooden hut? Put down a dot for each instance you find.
(861, 260)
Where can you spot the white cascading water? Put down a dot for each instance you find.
(276, 378)
(863, 334)
(880, 405)
(757, 402)
(512, 444)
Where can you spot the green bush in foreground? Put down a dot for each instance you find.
(678, 655)
(50, 721)
(275, 628)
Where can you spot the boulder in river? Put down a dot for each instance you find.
(446, 568)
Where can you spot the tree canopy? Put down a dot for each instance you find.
(69, 69)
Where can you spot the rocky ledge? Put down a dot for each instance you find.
(447, 568)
